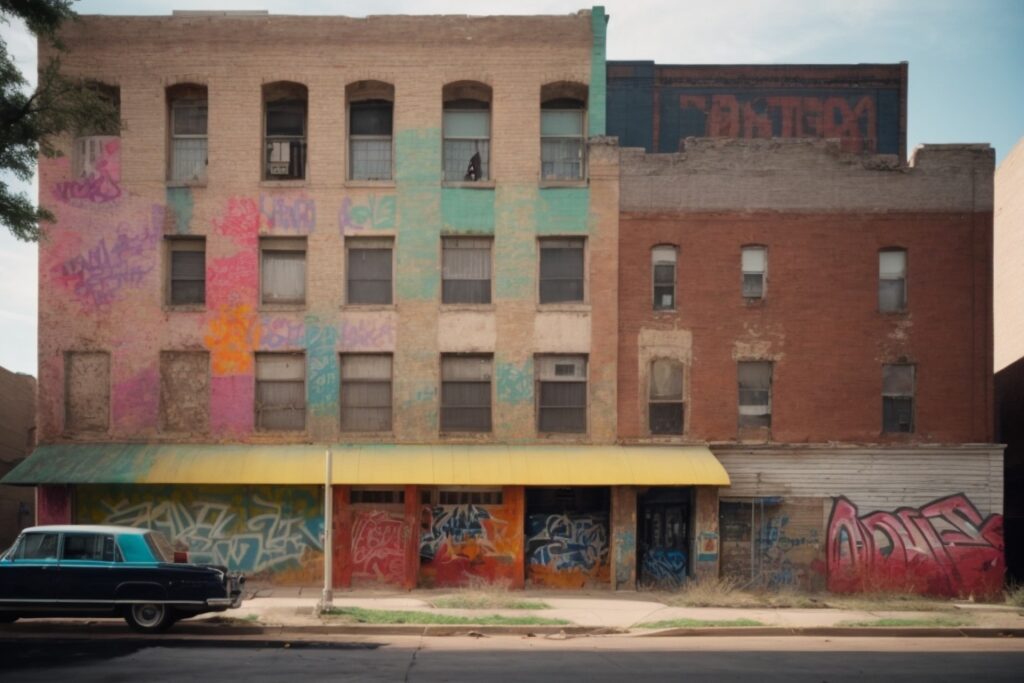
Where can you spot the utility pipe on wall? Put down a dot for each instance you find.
(327, 599)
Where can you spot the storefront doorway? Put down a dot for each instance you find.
(663, 537)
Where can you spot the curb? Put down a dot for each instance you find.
(839, 632)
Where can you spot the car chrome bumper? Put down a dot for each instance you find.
(221, 602)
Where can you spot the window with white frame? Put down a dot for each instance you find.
(368, 268)
(562, 139)
(366, 392)
(663, 271)
(369, 139)
(754, 262)
(898, 384)
(561, 270)
(283, 270)
(665, 406)
(188, 156)
(285, 120)
(187, 273)
(280, 391)
(892, 280)
(561, 394)
(466, 270)
(466, 393)
(467, 132)
(755, 393)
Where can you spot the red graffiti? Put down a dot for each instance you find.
(944, 548)
(241, 222)
(733, 116)
(378, 547)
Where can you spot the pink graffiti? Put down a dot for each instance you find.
(943, 548)
(102, 185)
(281, 333)
(241, 222)
(233, 279)
(297, 215)
(137, 401)
(367, 334)
(97, 276)
(378, 551)
(232, 401)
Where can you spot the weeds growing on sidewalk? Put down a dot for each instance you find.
(376, 616)
(933, 622)
(1015, 595)
(486, 600)
(727, 592)
(700, 623)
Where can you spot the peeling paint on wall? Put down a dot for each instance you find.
(515, 382)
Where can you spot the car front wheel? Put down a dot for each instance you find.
(149, 617)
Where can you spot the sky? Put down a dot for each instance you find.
(966, 71)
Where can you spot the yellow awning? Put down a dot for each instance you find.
(370, 464)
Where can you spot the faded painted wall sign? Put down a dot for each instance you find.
(943, 548)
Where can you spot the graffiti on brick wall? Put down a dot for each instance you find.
(378, 213)
(101, 185)
(460, 542)
(137, 400)
(567, 550)
(240, 222)
(943, 548)
(232, 399)
(756, 115)
(234, 333)
(269, 532)
(289, 214)
(663, 568)
(97, 276)
(281, 333)
(378, 546)
(515, 382)
(323, 375)
(367, 334)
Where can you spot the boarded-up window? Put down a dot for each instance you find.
(561, 270)
(663, 267)
(366, 392)
(898, 398)
(283, 272)
(666, 397)
(892, 280)
(755, 384)
(368, 268)
(561, 394)
(281, 391)
(185, 391)
(466, 393)
(87, 391)
(466, 270)
(754, 262)
(187, 284)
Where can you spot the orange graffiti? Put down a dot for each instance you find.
(234, 333)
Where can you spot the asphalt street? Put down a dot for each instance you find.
(406, 658)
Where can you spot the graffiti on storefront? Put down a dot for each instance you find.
(460, 542)
(378, 546)
(567, 550)
(944, 547)
(663, 568)
(267, 532)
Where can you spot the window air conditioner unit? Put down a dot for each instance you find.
(280, 158)
(563, 370)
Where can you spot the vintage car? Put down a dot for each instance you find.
(109, 571)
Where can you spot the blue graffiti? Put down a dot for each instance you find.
(567, 541)
(664, 567)
(459, 523)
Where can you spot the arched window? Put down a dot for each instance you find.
(370, 121)
(663, 271)
(467, 132)
(563, 131)
(187, 114)
(284, 115)
(666, 406)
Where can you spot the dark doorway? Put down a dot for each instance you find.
(663, 540)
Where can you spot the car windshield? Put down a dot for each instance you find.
(162, 549)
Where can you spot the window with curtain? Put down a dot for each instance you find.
(562, 140)
(561, 394)
(187, 273)
(283, 270)
(467, 140)
(280, 391)
(368, 267)
(892, 280)
(466, 393)
(365, 392)
(754, 262)
(285, 156)
(561, 270)
(755, 393)
(665, 406)
(663, 269)
(188, 138)
(466, 270)
(898, 398)
(369, 137)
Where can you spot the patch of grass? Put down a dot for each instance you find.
(927, 623)
(727, 592)
(890, 602)
(376, 616)
(476, 600)
(700, 623)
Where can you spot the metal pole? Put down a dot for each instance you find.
(327, 600)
